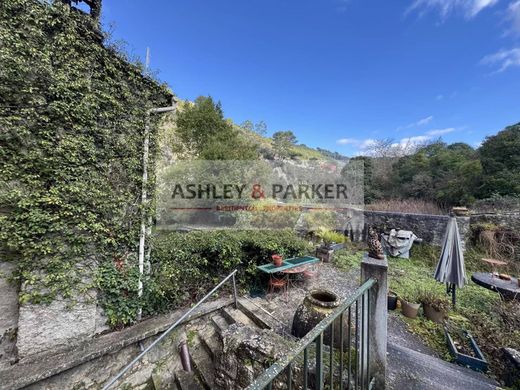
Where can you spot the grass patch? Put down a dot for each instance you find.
(346, 259)
(493, 323)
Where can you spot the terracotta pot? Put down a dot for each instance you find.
(432, 314)
(277, 260)
(409, 309)
(317, 305)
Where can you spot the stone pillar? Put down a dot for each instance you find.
(378, 314)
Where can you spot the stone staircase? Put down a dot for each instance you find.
(204, 339)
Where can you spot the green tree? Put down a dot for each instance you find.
(500, 157)
(282, 143)
(447, 174)
(203, 131)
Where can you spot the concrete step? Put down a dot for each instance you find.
(212, 343)
(202, 363)
(235, 316)
(412, 370)
(257, 315)
(163, 379)
(220, 322)
(188, 381)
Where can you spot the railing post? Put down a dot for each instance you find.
(235, 292)
(378, 314)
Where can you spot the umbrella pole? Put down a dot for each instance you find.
(451, 289)
(453, 295)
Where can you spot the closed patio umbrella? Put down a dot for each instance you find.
(450, 269)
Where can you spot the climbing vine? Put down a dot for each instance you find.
(72, 114)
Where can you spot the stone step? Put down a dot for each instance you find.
(163, 379)
(257, 315)
(236, 316)
(220, 323)
(187, 381)
(202, 363)
(212, 344)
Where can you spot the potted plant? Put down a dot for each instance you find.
(330, 241)
(409, 305)
(392, 300)
(435, 305)
(277, 260)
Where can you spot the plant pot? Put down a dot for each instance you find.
(432, 314)
(324, 254)
(317, 305)
(277, 260)
(392, 301)
(409, 309)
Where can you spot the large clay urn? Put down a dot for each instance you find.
(317, 305)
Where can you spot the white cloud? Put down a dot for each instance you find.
(469, 8)
(503, 59)
(368, 143)
(438, 132)
(347, 141)
(513, 16)
(419, 123)
(425, 121)
(418, 139)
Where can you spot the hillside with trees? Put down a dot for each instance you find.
(441, 173)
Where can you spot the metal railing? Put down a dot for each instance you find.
(113, 380)
(351, 372)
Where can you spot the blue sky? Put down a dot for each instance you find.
(339, 73)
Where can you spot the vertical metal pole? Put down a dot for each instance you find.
(341, 351)
(356, 343)
(319, 362)
(349, 344)
(331, 355)
(363, 346)
(235, 292)
(305, 368)
(289, 376)
(144, 203)
(368, 339)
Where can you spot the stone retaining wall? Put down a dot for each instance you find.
(430, 228)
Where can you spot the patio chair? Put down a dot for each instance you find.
(278, 283)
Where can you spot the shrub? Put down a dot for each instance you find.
(415, 206)
(184, 266)
(329, 236)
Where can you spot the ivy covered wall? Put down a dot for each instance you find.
(72, 114)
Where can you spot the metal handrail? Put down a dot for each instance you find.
(281, 364)
(167, 331)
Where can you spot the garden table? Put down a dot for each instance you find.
(509, 289)
(292, 266)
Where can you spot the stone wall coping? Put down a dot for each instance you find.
(40, 366)
(441, 216)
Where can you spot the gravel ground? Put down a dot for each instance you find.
(282, 307)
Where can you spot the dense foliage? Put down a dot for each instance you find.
(500, 156)
(449, 175)
(184, 266)
(204, 133)
(72, 117)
